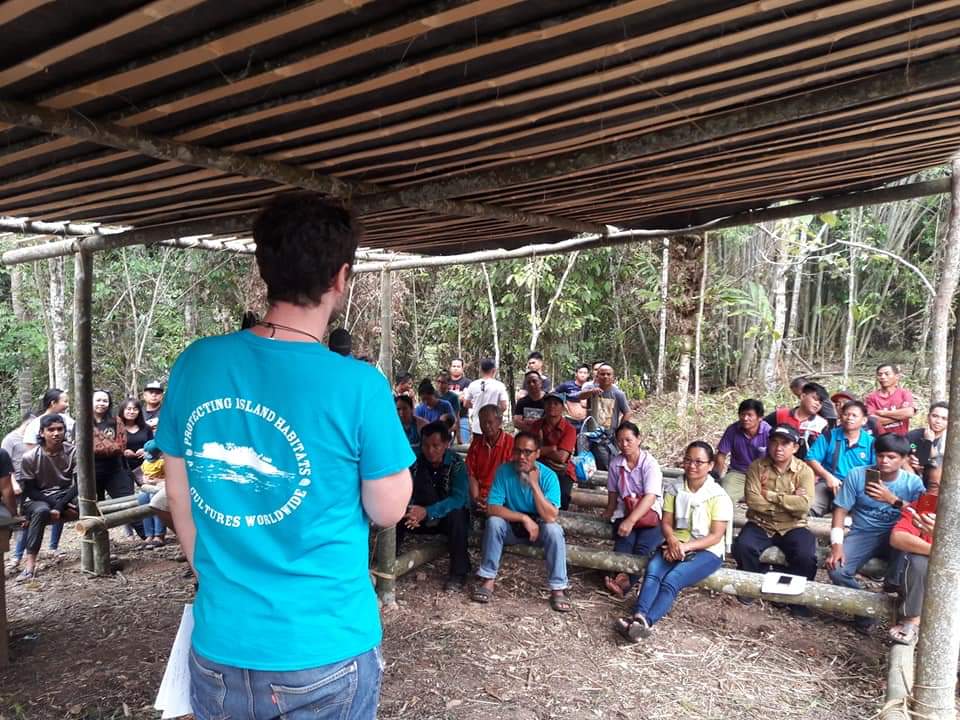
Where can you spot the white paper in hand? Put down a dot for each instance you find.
(173, 697)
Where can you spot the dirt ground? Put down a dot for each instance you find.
(96, 649)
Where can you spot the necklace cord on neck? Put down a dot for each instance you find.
(277, 326)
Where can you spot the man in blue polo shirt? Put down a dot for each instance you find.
(743, 442)
(833, 455)
(432, 408)
(874, 497)
(523, 507)
(273, 481)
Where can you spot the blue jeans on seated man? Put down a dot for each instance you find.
(859, 546)
(346, 690)
(152, 525)
(56, 530)
(498, 532)
(665, 579)
(642, 541)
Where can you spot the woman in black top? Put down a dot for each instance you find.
(138, 434)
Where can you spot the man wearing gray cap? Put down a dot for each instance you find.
(152, 400)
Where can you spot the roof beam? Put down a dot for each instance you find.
(58, 122)
(915, 77)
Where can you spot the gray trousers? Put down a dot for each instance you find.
(914, 584)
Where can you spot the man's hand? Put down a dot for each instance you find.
(54, 516)
(801, 491)
(533, 530)
(835, 559)
(129, 453)
(833, 483)
(626, 527)
(415, 515)
(925, 523)
(881, 493)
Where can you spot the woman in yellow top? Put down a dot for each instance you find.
(695, 519)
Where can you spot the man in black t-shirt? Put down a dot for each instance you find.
(458, 383)
(529, 408)
(926, 444)
(152, 400)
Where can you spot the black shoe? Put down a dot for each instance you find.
(455, 583)
(800, 611)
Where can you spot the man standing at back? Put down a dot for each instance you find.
(271, 481)
(485, 390)
(152, 402)
(890, 405)
(458, 383)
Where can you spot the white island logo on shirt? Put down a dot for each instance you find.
(252, 474)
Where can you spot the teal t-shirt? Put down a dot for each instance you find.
(275, 461)
(514, 494)
(871, 515)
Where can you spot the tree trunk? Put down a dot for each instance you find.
(816, 347)
(25, 398)
(493, 316)
(539, 325)
(946, 289)
(849, 341)
(683, 376)
(418, 556)
(58, 325)
(386, 324)
(386, 566)
(191, 320)
(939, 644)
(698, 333)
(779, 295)
(664, 283)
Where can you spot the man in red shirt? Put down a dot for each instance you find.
(913, 535)
(558, 440)
(890, 405)
(488, 451)
(805, 418)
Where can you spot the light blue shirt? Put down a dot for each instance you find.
(275, 463)
(514, 494)
(871, 515)
(824, 449)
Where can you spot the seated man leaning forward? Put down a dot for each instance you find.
(439, 502)
(523, 507)
(48, 478)
(779, 490)
(913, 536)
(743, 442)
(488, 451)
(874, 497)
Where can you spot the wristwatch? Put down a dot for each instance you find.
(898, 504)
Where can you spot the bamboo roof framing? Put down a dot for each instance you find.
(457, 126)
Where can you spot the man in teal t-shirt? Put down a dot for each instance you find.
(271, 480)
(874, 497)
(523, 507)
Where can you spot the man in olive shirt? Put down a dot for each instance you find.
(779, 490)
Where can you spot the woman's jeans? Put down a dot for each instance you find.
(641, 541)
(665, 579)
(152, 525)
(346, 690)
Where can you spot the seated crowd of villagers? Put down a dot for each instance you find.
(38, 471)
(854, 460)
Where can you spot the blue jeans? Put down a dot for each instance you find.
(56, 530)
(345, 690)
(641, 541)
(665, 579)
(858, 547)
(465, 433)
(498, 533)
(152, 525)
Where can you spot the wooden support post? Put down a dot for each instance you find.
(735, 582)
(91, 527)
(386, 324)
(4, 636)
(899, 683)
(95, 549)
(934, 695)
(386, 567)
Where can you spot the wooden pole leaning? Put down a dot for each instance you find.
(91, 526)
(95, 549)
(386, 573)
(899, 683)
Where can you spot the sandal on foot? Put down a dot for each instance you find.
(633, 629)
(904, 633)
(560, 601)
(481, 594)
(26, 575)
(618, 585)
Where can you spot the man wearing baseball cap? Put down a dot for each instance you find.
(841, 398)
(779, 490)
(152, 400)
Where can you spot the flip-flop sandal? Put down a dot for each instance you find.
(560, 602)
(481, 594)
(632, 629)
(614, 586)
(26, 575)
(904, 634)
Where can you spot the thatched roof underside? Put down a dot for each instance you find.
(640, 114)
